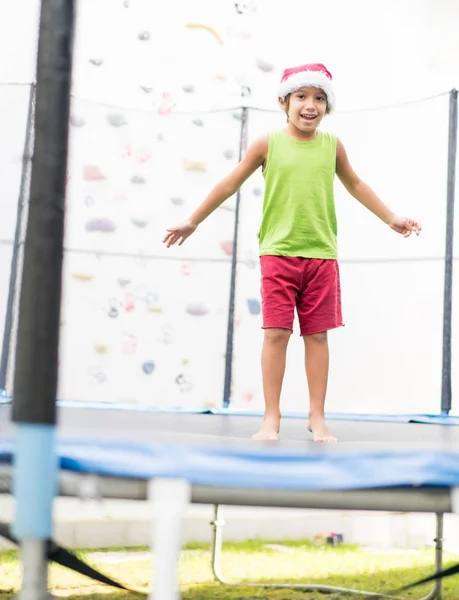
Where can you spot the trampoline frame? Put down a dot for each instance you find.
(218, 524)
(170, 499)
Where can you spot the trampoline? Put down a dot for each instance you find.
(381, 463)
(399, 463)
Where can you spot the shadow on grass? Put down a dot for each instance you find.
(381, 582)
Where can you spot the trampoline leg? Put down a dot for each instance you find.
(170, 499)
(436, 592)
(35, 570)
(217, 544)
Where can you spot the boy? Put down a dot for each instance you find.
(298, 236)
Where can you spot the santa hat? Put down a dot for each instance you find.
(313, 75)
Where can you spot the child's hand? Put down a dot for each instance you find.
(404, 225)
(179, 233)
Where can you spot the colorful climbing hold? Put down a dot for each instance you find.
(193, 165)
(140, 223)
(197, 309)
(148, 367)
(156, 309)
(254, 306)
(167, 105)
(82, 276)
(116, 119)
(100, 377)
(185, 386)
(144, 154)
(120, 197)
(186, 269)
(100, 348)
(130, 344)
(245, 7)
(205, 28)
(92, 173)
(264, 66)
(102, 225)
(248, 397)
(227, 247)
(250, 263)
(77, 121)
(129, 302)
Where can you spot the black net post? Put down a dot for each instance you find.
(35, 383)
(446, 388)
(232, 299)
(36, 364)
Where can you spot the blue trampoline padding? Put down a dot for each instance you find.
(269, 469)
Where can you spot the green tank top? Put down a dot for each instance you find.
(299, 217)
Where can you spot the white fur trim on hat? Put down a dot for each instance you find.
(308, 79)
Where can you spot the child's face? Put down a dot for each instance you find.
(306, 108)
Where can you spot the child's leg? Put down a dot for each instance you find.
(280, 283)
(317, 361)
(273, 368)
(319, 310)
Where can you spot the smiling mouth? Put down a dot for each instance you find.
(308, 117)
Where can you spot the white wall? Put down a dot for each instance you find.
(388, 357)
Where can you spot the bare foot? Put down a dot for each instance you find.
(319, 430)
(269, 430)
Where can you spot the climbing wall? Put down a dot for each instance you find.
(140, 322)
(152, 130)
(155, 123)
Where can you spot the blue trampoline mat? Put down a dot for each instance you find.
(265, 468)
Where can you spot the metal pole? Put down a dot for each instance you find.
(230, 328)
(446, 389)
(35, 383)
(23, 198)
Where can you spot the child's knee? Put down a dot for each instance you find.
(277, 336)
(317, 338)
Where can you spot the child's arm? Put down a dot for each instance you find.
(366, 196)
(254, 158)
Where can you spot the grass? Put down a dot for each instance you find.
(296, 562)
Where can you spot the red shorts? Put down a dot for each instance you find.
(312, 285)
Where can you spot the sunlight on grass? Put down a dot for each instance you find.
(294, 562)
